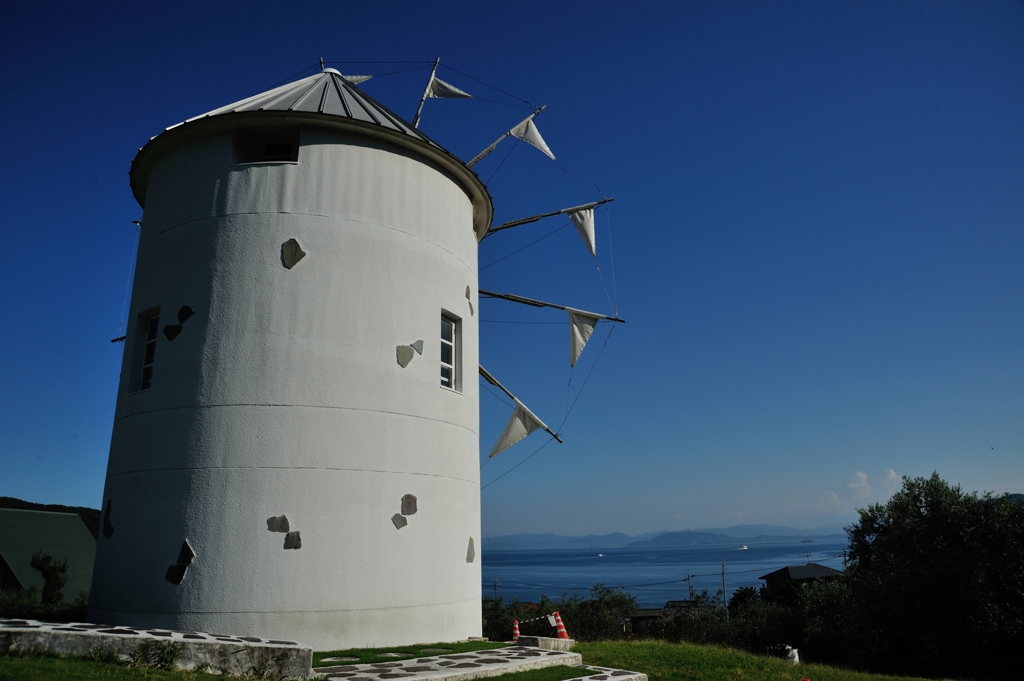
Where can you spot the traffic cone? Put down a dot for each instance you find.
(562, 633)
(515, 630)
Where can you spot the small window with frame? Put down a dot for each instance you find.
(267, 145)
(450, 342)
(144, 351)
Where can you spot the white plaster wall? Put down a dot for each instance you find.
(282, 395)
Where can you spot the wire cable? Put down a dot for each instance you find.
(550, 440)
(611, 256)
(514, 145)
(526, 246)
(127, 284)
(561, 137)
(445, 66)
(297, 73)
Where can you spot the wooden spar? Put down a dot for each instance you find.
(489, 149)
(426, 90)
(540, 303)
(535, 218)
(493, 381)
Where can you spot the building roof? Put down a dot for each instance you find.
(61, 535)
(648, 612)
(327, 92)
(326, 99)
(802, 572)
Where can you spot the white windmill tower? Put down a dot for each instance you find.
(289, 458)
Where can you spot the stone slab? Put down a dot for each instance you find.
(546, 642)
(478, 664)
(237, 655)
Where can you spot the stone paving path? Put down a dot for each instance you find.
(474, 665)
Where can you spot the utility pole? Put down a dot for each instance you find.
(689, 585)
(725, 598)
(495, 589)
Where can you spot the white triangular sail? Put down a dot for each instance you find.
(528, 132)
(442, 90)
(581, 326)
(584, 221)
(522, 423)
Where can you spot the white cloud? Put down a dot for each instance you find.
(891, 478)
(859, 485)
(829, 503)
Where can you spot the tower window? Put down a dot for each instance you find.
(144, 351)
(449, 352)
(267, 145)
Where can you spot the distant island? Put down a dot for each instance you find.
(736, 534)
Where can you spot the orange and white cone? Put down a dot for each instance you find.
(562, 633)
(515, 630)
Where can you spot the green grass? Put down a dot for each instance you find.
(660, 661)
(688, 662)
(18, 668)
(372, 655)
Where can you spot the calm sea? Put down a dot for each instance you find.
(653, 575)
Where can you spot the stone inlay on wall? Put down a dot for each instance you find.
(236, 655)
(404, 354)
(409, 504)
(291, 253)
(399, 520)
(171, 331)
(292, 540)
(108, 528)
(176, 573)
(278, 523)
(470, 551)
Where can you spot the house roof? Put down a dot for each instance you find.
(802, 572)
(61, 535)
(648, 612)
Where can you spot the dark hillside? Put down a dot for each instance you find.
(89, 516)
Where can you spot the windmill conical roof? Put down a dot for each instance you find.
(326, 99)
(327, 92)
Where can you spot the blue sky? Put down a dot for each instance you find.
(817, 236)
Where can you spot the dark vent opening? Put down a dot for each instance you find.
(267, 145)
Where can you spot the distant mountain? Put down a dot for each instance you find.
(761, 530)
(525, 542)
(684, 538)
(736, 534)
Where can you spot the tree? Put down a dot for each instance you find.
(937, 580)
(743, 597)
(55, 576)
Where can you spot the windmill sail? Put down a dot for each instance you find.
(528, 132)
(439, 89)
(584, 221)
(581, 326)
(522, 423)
